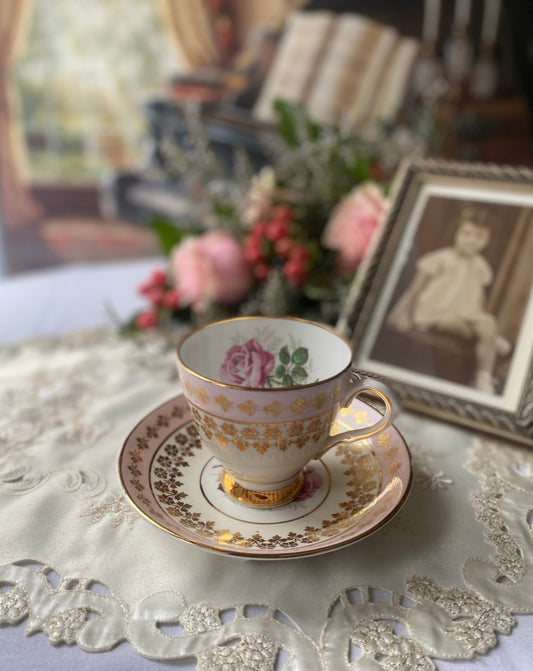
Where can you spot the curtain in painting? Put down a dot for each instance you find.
(16, 205)
(191, 27)
(213, 32)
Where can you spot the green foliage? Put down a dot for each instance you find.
(320, 162)
(290, 371)
(300, 356)
(299, 374)
(293, 122)
(169, 235)
(129, 327)
(280, 371)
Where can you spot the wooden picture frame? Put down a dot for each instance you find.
(457, 342)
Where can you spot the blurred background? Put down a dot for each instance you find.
(93, 93)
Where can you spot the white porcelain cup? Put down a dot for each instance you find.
(264, 392)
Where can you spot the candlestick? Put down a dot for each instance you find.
(430, 28)
(491, 17)
(462, 13)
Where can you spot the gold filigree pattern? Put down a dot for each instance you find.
(336, 393)
(262, 437)
(229, 429)
(298, 406)
(275, 408)
(363, 481)
(249, 432)
(203, 396)
(384, 440)
(272, 433)
(319, 401)
(240, 443)
(185, 443)
(261, 445)
(248, 407)
(360, 417)
(223, 403)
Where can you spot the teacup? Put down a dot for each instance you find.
(264, 392)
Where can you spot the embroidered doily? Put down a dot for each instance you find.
(441, 581)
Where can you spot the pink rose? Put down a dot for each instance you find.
(210, 267)
(247, 365)
(312, 482)
(352, 225)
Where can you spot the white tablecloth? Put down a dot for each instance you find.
(54, 302)
(69, 299)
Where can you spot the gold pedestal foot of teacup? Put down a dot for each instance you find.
(262, 498)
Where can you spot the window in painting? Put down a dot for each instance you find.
(82, 79)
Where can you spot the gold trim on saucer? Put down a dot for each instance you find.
(264, 498)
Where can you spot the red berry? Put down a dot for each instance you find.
(277, 230)
(283, 247)
(377, 172)
(146, 320)
(295, 271)
(283, 212)
(261, 271)
(145, 288)
(300, 253)
(159, 278)
(155, 296)
(171, 299)
(253, 250)
(259, 229)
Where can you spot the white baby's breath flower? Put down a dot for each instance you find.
(262, 189)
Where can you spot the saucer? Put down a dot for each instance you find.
(175, 483)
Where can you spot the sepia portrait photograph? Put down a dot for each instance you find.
(448, 308)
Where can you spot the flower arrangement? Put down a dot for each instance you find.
(286, 239)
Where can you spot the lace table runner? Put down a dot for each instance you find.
(440, 581)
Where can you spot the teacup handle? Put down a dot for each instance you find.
(378, 389)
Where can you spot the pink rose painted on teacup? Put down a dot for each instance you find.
(312, 482)
(247, 365)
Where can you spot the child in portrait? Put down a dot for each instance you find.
(448, 295)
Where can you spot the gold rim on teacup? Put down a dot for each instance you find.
(227, 385)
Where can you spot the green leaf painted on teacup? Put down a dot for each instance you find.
(300, 356)
(298, 374)
(280, 371)
(289, 371)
